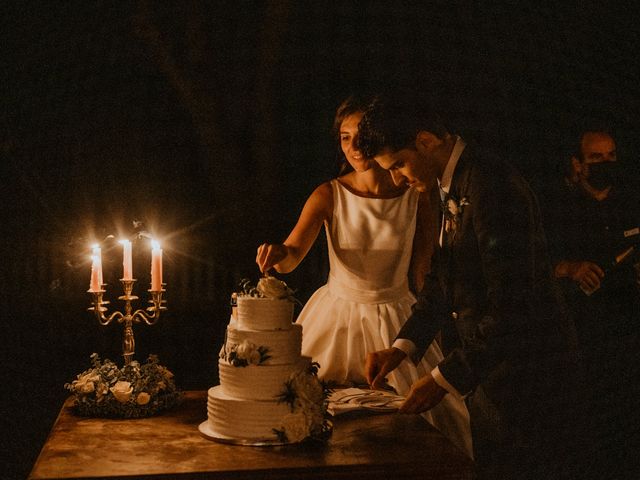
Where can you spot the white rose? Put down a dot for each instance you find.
(317, 418)
(86, 387)
(122, 391)
(295, 427)
(78, 384)
(254, 358)
(143, 398)
(85, 384)
(308, 388)
(245, 349)
(88, 377)
(271, 287)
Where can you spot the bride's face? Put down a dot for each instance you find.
(348, 133)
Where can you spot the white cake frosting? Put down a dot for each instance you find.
(258, 382)
(255, 313)
(246, 419)
(268, 391)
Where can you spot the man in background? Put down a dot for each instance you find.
(592, 221)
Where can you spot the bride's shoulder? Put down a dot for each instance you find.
(324, 189)
(323, 194)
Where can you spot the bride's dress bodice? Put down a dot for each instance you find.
(370, 242)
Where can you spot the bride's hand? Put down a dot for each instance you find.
(269, 255)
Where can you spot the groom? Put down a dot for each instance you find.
(508, 346)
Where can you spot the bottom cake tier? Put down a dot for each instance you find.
(244, 419)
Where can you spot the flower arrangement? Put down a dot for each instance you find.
(307, 399)
(133, 391)
(267, 287)
(244, 354)
(452, 209)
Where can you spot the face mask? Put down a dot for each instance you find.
(602, 175)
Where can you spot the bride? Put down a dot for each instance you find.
(374, 239)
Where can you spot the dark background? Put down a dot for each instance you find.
(210, 123)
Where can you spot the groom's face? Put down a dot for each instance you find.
(407, 167)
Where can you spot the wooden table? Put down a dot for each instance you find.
(170, 446)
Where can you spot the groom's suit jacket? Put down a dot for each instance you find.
(492, 295)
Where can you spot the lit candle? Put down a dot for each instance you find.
(97, 253)
(94, 284)
(156, 266)
(127, 268)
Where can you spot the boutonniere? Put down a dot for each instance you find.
(452, 209)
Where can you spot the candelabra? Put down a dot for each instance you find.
(129, 317)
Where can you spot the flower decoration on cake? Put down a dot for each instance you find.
(135, 390)
(306, 396)
(244, 354)
(267, 287)
(271, 287)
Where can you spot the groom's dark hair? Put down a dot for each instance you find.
(393, 121)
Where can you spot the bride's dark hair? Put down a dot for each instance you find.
(352, 104)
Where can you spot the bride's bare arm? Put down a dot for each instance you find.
(287, 256)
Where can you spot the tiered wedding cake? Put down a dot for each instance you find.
(268, 392)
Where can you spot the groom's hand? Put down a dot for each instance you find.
(586, 274)
(379, 364)
(424, 395)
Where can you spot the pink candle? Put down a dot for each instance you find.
(97, 253)
(127, 264)
(94, 284)
(156, 266)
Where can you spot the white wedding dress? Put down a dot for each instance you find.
(367, 299)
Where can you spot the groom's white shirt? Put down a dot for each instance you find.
(407, 346)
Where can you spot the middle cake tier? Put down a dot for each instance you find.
(281, 346)
(258, 382)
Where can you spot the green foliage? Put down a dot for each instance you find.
(288, 395)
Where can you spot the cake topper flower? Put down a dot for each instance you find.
(271, 287)
(268, 287)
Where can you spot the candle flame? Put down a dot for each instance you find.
(155, 244)
(124, 242)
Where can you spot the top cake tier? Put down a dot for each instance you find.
(256, 313)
